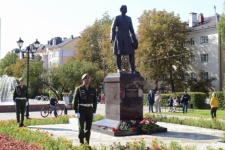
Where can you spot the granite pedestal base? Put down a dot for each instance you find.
(123, 101)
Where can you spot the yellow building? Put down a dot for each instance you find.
(57, 51)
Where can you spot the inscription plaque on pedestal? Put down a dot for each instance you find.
(123, 99)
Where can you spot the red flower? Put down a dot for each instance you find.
(113, 129)
(133, 129)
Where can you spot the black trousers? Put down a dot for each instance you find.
(27, 111)
(85, 123)
(65, 110)
(213, 112)
(20, 110)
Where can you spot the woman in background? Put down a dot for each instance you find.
(66, 102)
(214, 105)
(157, 102)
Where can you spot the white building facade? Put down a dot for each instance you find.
(57, 51)
(207, 53)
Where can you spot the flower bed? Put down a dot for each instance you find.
(9, 143)
(135, 127)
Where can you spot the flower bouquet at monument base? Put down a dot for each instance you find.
(132, 127)
(127, 127)
(148, 125)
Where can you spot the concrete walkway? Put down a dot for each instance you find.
(184, 135)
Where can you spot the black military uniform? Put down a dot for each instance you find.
(19, 97)
(85, 103)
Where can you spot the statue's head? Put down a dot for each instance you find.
(123, 9)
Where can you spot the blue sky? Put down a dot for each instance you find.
(45, 19)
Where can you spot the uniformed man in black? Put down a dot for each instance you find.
(19, 97)
(85, 104)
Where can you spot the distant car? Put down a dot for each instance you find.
(42, 97)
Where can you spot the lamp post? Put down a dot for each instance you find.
(32, 48)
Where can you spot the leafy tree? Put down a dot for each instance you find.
(162, 52)
(201, 84)
(9, 59)
(94, 45)
(35, 76)
(66, 77)
(18, 67)
(221, 29)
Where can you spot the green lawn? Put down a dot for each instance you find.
(204, 113)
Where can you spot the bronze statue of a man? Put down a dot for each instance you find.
(124, 39)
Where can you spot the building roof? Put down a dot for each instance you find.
(209, 22)
(64, 42)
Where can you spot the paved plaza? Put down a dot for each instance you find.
(184, 135)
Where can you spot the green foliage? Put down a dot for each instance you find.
(6, 62)
(162, 51)
(95, 46)
(35, 76)
(199, 122)
(66, 77)
(197, 99)
(201, 84)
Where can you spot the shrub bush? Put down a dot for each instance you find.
(197, 99)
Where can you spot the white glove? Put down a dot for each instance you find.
(26, 103)
(94, 115)
(78, 115)
(14, 103)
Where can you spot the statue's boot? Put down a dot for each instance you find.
(118, 63)
(132, 64)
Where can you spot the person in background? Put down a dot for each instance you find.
(53, 102)
(85, 105)
(185, 99)
(170, 102)
(214, 105)
(19, 98)
(175, 103)
(103, 98)
(151, 101)
(70, 96)
(158, 102)
(98, 96)
(66, 103)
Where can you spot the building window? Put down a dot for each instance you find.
(204, 75)
(192, 41)
(204, 57)
(192, 77)
(203, 39)
(192, 58)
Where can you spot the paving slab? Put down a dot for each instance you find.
(184, 135)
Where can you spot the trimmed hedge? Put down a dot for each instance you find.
(197, 99)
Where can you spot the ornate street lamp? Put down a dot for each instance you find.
(30, 50)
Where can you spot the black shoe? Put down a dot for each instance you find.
(21, 125)
(81, 141)
(28, 118)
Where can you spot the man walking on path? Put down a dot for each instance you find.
(19, 97)
(185, 99)
(85, 105)
(151, 100)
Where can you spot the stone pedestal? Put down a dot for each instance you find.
(124, 96)
(124, 100)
